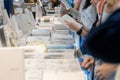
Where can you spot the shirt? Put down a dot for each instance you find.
(87, 16)
(1, 3)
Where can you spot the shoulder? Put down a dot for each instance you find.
(116, 14)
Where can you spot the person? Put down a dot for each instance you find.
(103, 43)
(77, 4)
(89, 60)
(52, 3)
(87, 16)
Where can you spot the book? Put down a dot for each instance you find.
(74, 13)
(16, 28)
(66, 4)
(70, 19)
(6, 18)
(60, 26)
(30, 19)
(63, 69)
(40, 32)
(3, 42)
(60, 46)
(23, 23)
(62, 32)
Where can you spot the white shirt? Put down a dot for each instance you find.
(2, 3)
(87, 16)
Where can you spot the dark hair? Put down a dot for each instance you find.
(87, 4)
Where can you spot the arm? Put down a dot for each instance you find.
(77, 4)
(106, 71)
(80, 31)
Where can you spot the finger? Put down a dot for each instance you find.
(97, 70)
(84, 62)
(89, 63)
(99, 75)
(66, 21)
(101, 78)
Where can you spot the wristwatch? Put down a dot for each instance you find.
(79, 31)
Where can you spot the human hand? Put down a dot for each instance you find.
(72, 25)
(79, 22)
(106, 70)
(64, 12)
(87, 62)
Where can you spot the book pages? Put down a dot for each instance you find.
(66, 4)
(70, 19)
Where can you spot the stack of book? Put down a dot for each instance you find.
(39, 36)
(62, 37)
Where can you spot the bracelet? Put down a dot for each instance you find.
(80, 31)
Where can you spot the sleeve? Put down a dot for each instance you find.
(100, 41)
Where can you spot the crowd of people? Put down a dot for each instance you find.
(99, 34)
(100, 44)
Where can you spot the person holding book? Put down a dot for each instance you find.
(103, 44)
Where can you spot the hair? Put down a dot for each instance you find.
(55, 2)
(87, 4)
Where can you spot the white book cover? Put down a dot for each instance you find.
(12, 64)
(60, 26)
(38, 12)
(30, 18)
(40, 32)
(6, 19)
(63, 69)
(23, 23)
(59, 55)
(60, 50)
(66, 4)
(62, 42)
(18, 19)
(38, 38)
(50, 75)
(74, 13)
(3, 41)
(70, 19)
(0, 11)
(18, 10)
(16, 28)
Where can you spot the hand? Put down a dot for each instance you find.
(72, 25)
(64, 12)
(106, 70)
(88, 61)
(85, 31)
(79, 22)
(76, 28)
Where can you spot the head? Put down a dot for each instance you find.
(87, 4)
(112, 5)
